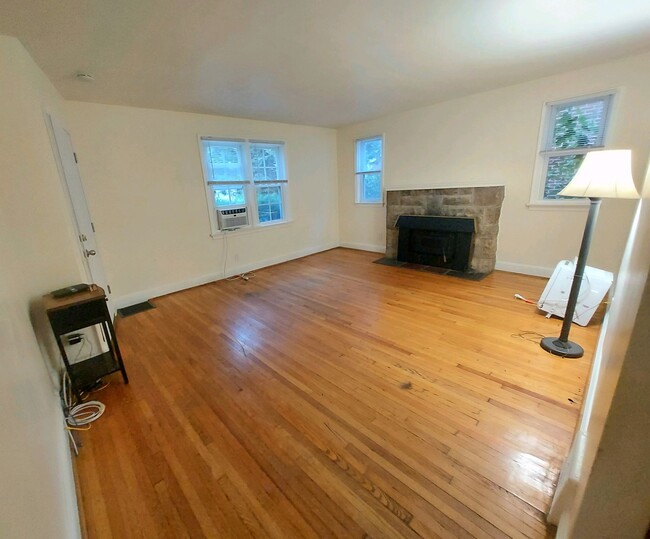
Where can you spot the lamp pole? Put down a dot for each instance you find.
(562, 346)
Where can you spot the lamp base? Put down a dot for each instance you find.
(561, 348)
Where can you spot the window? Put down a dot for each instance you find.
(571, 129)
(269, 203)
(225, 161)
(268, 169)
(245, 175)
(369, 161)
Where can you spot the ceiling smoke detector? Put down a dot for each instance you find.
(85, 77)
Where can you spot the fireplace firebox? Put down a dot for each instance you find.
(444, 242)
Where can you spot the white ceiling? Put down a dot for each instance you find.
(317, 62)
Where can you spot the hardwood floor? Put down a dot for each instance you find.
(334, 397)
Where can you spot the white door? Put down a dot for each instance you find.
(85, 226)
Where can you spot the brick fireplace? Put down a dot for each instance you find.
(483, 204)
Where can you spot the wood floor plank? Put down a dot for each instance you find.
(333, 397)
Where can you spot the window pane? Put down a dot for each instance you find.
(370, 187)
(267, 162)
(560, 171)
(269, 203)
(269, 157)
(229, 195)
(224, 161)
(369, 155)
(257, 159)
(579, 125)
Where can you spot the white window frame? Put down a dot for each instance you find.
(537, 200)
(250, 186)
(358, 175)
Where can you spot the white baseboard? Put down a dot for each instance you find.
(513, 267)
(279, 259)
(144, 295)
(364, 247)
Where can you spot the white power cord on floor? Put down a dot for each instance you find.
(78, 416)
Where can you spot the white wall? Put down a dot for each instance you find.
(491, 139)
(37, 254)
(603, 488)
(142, 174)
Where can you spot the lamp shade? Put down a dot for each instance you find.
(603, 174)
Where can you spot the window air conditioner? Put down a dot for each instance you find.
(232, 218)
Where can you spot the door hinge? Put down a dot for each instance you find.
(75, 157)
(93, 226)
(108, 286)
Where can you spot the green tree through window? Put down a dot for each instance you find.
(578, 125)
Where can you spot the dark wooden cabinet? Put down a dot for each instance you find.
(78, 311)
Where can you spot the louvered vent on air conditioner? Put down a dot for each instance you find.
(232, 218)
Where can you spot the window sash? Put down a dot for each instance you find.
(360, 152)
(269, 182)
(545, 183)
(554, 108)
(268, 207)
(211, 166)
(569, 151)
(244, 149)
(362, 197)
(225, 182)
(278, 152)
(228, 187)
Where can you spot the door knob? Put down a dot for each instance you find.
(92, 252)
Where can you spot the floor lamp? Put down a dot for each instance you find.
(603, 174)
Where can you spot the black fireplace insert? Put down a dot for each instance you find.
(444, 242)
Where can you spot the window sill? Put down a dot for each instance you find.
(250, 230)
(369, 203)
(580, 205)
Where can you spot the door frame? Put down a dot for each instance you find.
(52, 120)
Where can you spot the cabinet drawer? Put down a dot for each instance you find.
(78, 316)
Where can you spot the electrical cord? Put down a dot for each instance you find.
(225, 251)
(525, 300)
(531, 336)
(85, 413)
(84, 341)
(583, 292)
(247, 275)
(102, 385)
(534, 337)
(78, 416)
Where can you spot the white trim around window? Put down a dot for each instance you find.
(246, 183)
(542, 197)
